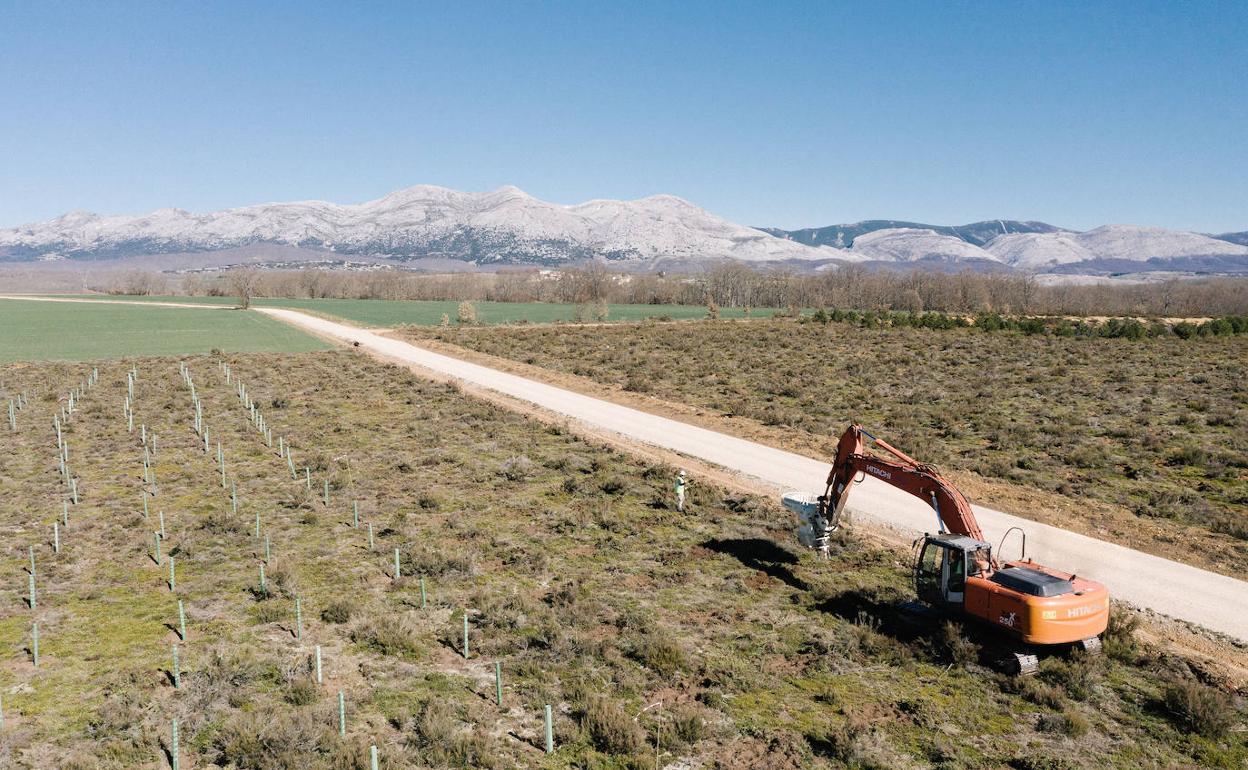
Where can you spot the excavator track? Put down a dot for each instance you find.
(1024, 663)
(999, 652)
(1091, 646)
(1020, 664)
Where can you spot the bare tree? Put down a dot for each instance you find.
(137, 282)
(243, 283)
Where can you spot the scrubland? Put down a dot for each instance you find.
(1154, 430)
(574, 571)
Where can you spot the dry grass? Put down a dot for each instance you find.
(594, 599)
(1156, 426)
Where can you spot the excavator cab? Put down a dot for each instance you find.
(942, 565)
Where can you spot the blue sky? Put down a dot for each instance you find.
(786, 114)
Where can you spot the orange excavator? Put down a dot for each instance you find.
(955, 570)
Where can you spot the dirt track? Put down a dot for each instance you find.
(1214, 601)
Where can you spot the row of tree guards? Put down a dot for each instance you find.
(70, 403)
(147, 440)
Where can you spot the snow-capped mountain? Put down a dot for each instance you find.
(438, 226)
(907, 244)
(1033, 251)
(1033, 246)
(503, 226)
(1113, 244)
(844, 236)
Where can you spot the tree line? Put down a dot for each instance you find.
(729, 285)
(1058, 326)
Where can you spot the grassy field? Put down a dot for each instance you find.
(385, 313)
(76, 331)
(1156, 426)
(569, 563)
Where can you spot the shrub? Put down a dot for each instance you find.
(1188, 455)
(428, 502)
(1118, 641)
(687, 725)
(302, 691)
(1032, 326)
(269, 740)
(660, 654)
(1184, 330)
(435, 726)
(466, 313)
(1218, 327)
(637, 382)
(388, 635)
(338, 612)
(268, 612)
(1076, 674)
(1037, 691)
(220, 523)
(281, 579)
(516, 468)
(1128, 328)
(1182, 504)
(439, 562)
(613, 485)
(512, 623)
(444, 741)
(1088, 456)
(1199, 708)
(989, 322)
(960, 650)
(610, 728)
(1067, 722)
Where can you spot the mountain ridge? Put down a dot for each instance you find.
(843, 235)
(507, 226)
(501, 226)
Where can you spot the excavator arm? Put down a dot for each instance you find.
(822, 515)
(901, 471)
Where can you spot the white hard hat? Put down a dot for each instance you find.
(682, 473)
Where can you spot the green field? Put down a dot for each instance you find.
(77, 331)
(381, 312)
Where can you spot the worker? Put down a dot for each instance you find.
(680, 492)
(981, 562)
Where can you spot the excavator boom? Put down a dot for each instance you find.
(901, 471)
